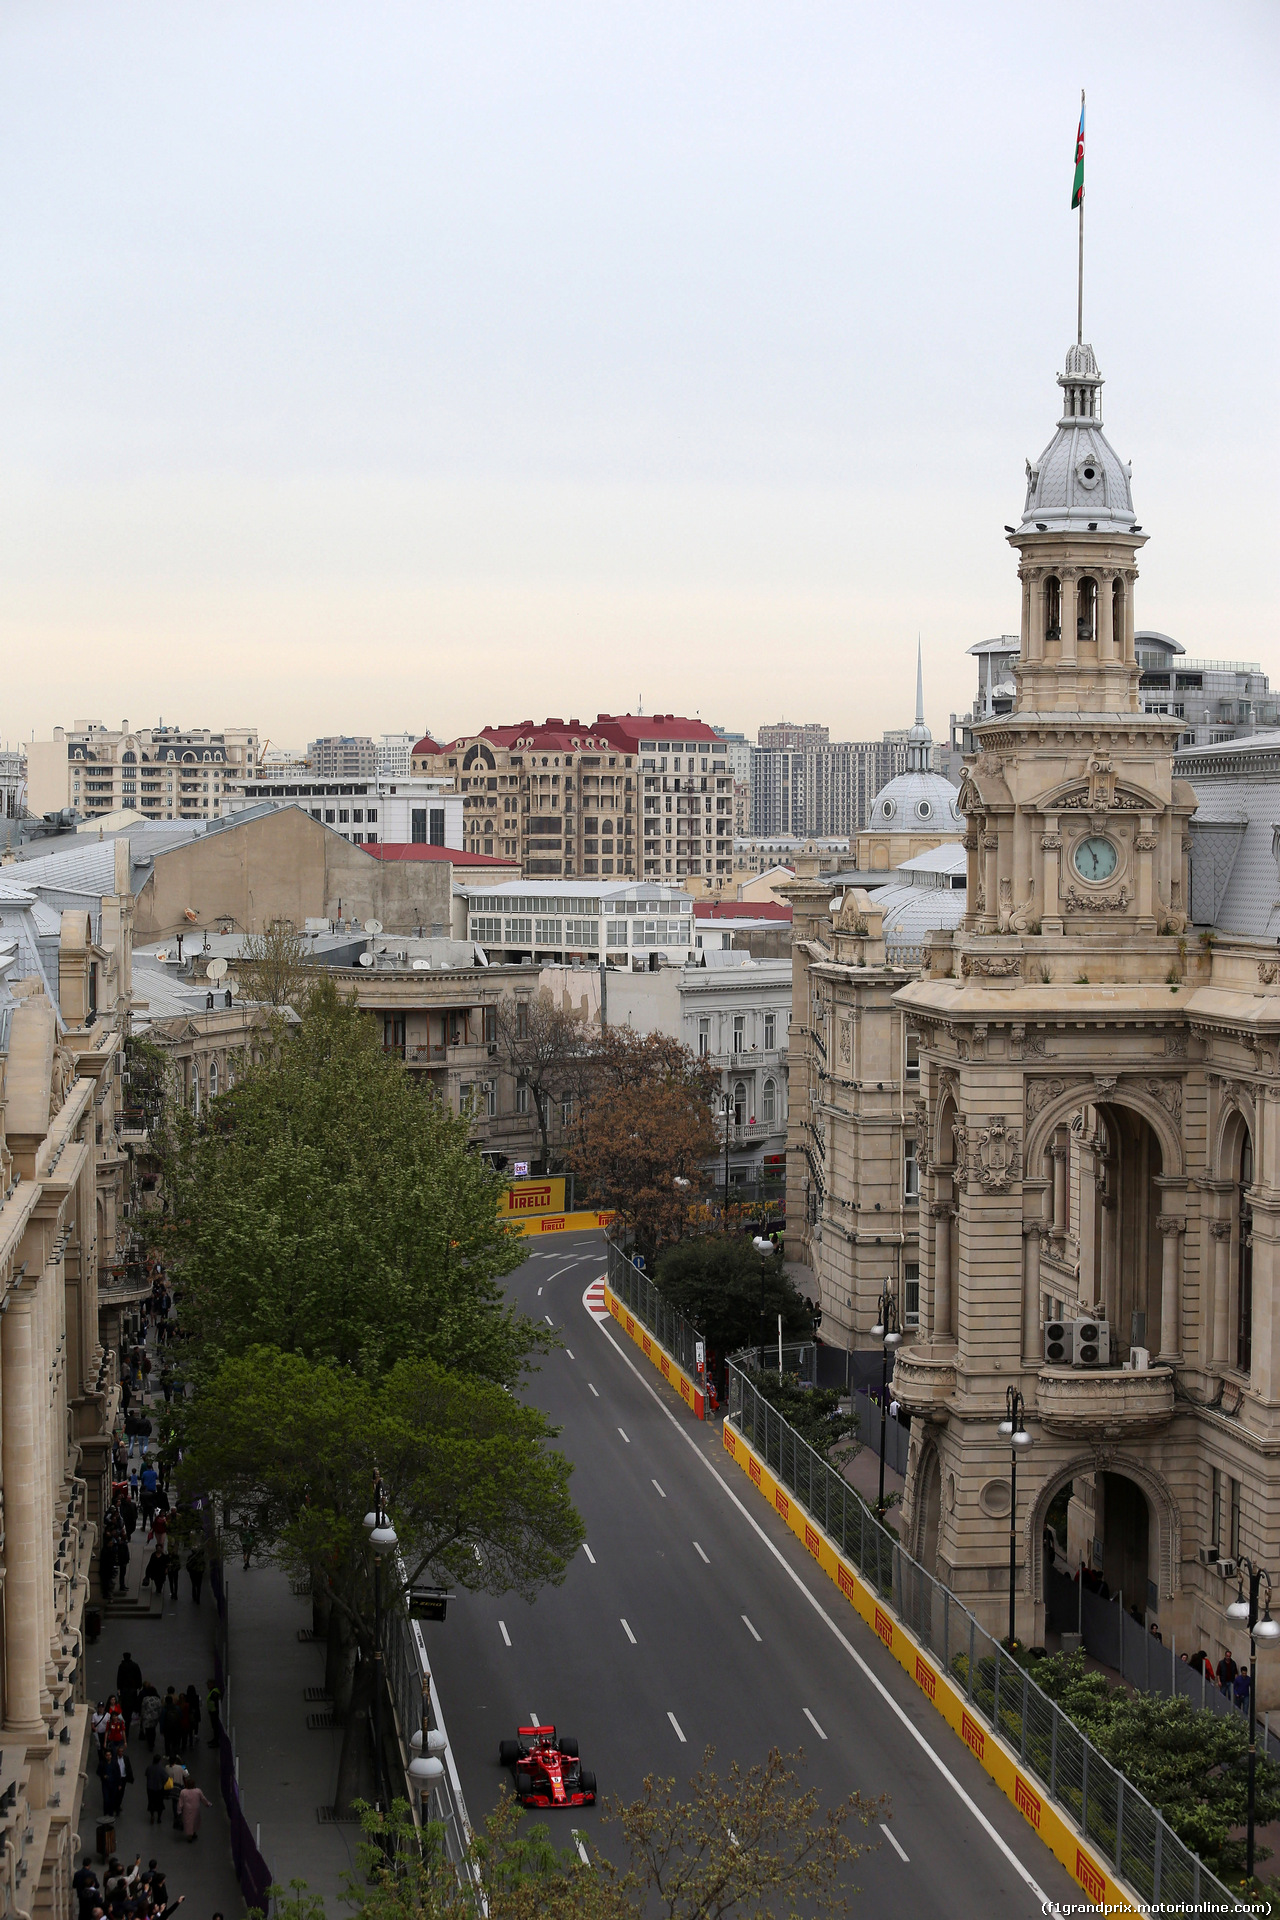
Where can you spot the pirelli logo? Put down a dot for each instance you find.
(646, 1347)
(811, 1540)
(844, 1580)
(665, 1367)
(729, 1443)
(972, 1735)
(1091, 1878)
(753, 1468)
(926, 1678)
(884, 1626)
(615, 1306)
(1025, 1801)
(631, 1326)
(782, 1503)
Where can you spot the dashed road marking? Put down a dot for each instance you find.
(813, 1723)
(586, 1549)
(750, 1629)
(701, 1555)
(539, 1293)
(622, 1431)
(654, 1483)
(534, 1720)
(594, 1388)
(569, 1351)
(583, 1855)
(679, 1729)
(626, 1629)
(502, 1629)
(547, 1317)
(894, 1842)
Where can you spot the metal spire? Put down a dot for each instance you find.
(919, 685)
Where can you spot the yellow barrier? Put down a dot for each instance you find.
(690, 1392)
(1059, 1835)
(559, 1223)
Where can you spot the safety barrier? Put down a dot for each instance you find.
(665, 1337)
(1115, 1844)
(251, 1869)
(559, 1223)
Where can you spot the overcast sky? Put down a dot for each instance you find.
(372, 366)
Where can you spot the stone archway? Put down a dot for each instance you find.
(928, 1508)
(1162, 1507)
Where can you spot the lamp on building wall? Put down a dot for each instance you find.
(887, 1331)
(1013, 1430)
(1244, 1612)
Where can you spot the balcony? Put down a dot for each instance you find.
(426, 1056)
(924, 1378)
(1104, 1403)
(749, 1131)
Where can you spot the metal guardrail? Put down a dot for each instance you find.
(1128, 1831)
(639, 1295)
(409, 1675)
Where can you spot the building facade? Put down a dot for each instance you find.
(407, 810)
(343, 756)
(820, 791)
(577, 923)
(163, 773)
(789, 735)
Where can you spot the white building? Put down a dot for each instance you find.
(394, 750)
(164, 773)
(629, 923)
(734, 1012)
(403, 812)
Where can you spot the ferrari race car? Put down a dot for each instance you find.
(548, 1772)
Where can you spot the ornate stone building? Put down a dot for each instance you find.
(1098, 1124)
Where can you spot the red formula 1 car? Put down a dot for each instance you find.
(548, 1772)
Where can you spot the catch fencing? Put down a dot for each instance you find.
(1140, 1846)
(641, 1298)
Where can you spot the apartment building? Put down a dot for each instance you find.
(628, 923)
(13, 784)
(164, 773)
(820, 791)
(403, 811)
(787, 735)
(343, 756)
(395, 750)
(625, 795)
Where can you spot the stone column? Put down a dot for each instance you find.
(24, 1653)
(1170, 1225)
(1059, 1151)
(1220, 1231)
(940, 1213)
(991, 879)
(1145, 843)
(1031, 1345)
(1051, 847)
(1069, 578)
(1035, 614)
(1102, 615)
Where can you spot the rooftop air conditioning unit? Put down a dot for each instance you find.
(1059, 1342)
(1092, 1343)
(1207, 1556)
(1227, 1568)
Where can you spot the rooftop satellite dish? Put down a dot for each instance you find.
(373, 926)
(366, 959)
(422, 966)
(217, 969)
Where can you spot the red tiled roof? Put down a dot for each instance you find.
(742, 910)
(416, 850)
(427, 745)
(621, 731)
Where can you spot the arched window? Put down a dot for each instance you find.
(1117, 614)
(769, 1103)
(739, 1102)
(1053, 608)
(1244, 1272)
(213, 1079)
(195, 1090)
(1086, 611)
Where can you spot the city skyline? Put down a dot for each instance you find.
(627, 355)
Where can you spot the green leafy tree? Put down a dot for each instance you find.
(731, 1291)
(329, 1206)
(290, 1448)
(813, 1412)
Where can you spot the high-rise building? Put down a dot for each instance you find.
(796, 736)
(823, 790)
(343, 756)
(164, 773)
(395, 750)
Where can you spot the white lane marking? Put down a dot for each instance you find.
(622, 1431)
(701, 1555)
(539, 1293)
(626, 1629)
(679, 1729)
(547, 1317)
(967, 1799)
(594, 1389)
(813, 1723)
(477, 1554)
(502, 1629)
(750, 1629)
(583, 1855)
(569, 1351)
(534, 1720)
(894, 1842)
(586, 1549)
(654, 1483)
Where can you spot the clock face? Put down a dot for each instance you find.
(1095, 858)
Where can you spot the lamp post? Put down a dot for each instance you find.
(1019, 1440)
(382, 1538)
(886, 1330)
(1245, 1614)
(728, 1117)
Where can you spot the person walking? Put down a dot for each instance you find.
(195, 1571)
(173, 1568)
(157, 1787)
(150, 1480)
(247, 1541)
(154, 1575)
(190, 1801)
(129, 1510)
(1240, 1688)
(122, 1560)
(171, 1723)
(149, 1714)
(1227, 1671)
(128, 1686)
(107, 1568)
(111, 1772)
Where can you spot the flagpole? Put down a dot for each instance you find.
(1080, 268)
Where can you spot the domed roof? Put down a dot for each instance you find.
(1079, 482)
(915, 802)
(909, 914)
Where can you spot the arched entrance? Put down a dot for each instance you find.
(1127, 1247)
(1122, 1521)
(929, 1510)
(1121, 1509)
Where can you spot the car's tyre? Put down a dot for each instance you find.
(588, 1782)
(524, 1783)
(569, 1747)
(508, 1752)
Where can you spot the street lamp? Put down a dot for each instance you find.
(728, 1114)
(426, 1769)
(1019, 1439)
(1245, 1614)
(887, 1331)
(382, 1538)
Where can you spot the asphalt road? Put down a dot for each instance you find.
(695, 1618)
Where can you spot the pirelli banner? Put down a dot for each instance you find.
(526, 1199)
(1079, 1857)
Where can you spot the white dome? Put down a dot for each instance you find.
(915, 803)
(1079, 483)
(909, 914)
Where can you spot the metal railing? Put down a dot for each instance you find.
(639, 1295)
(409, 1678)
(1129, 1833)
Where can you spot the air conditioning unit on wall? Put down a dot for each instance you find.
(1059, 1343)
(1091, 1343)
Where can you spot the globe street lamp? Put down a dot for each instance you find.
(886, 1330)
(1245, 1614)
(1019, 1440)
(382, 1538)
